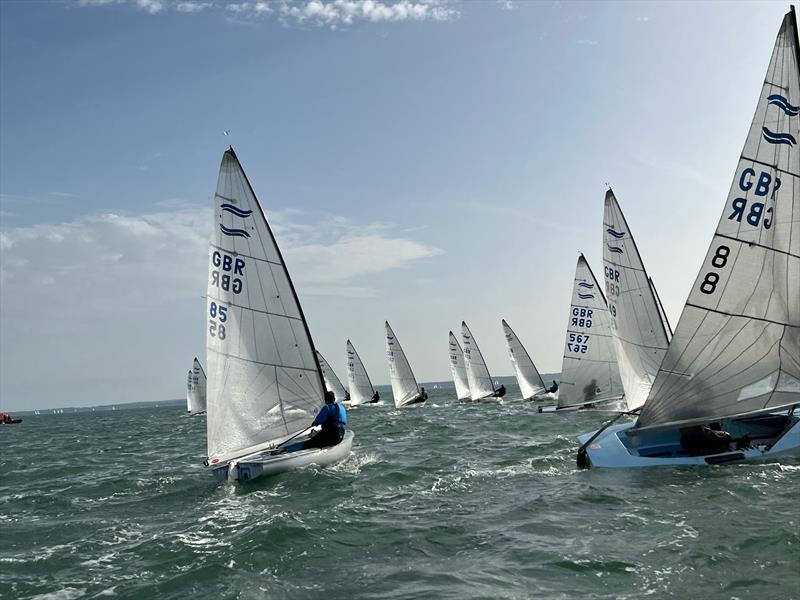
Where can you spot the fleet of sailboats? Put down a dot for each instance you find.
(722, 387)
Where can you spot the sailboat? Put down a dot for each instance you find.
(730, 381)
(480, 382)
(404, 385)
(332, 381)
(265, 384)
(529, 380)
(458, 369)
(589, 372)
(361, 390)
(196, 389)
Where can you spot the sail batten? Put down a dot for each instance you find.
(589, 371)
(739, 332)
(480, 381)
(361, 388)
(404, 384)
(458, 369)
(528, 378)
(264, 380)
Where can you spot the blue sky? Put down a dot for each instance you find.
(421, 162)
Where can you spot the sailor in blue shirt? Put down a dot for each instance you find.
(333, 419)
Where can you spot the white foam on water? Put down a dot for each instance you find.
(68, 593)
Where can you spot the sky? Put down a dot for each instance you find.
(425, 162)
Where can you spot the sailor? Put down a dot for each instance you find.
(553, 388)
(423, 395)
(500, 392)
(375, 397)
(333, 419)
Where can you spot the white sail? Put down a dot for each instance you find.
(361, 389)
(264, 382)
(589, 371)
(639, 336)
(404, 385)
(736, 349)
(332, 381)
(480, 382)
(196, 389)
(458, 369)
(661, 311)
(528, 378)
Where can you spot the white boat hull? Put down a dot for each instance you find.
(618, 447)
(266, 463)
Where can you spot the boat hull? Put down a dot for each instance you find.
(620, 447)
(613, 405)
(266, 463)
(411, 402)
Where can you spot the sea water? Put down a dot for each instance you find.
(445, 500)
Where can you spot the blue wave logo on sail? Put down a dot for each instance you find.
(235, 210)
(233, 232)
(585, 296)
(615, 249)
(584, 284)
(783, 104)
(617, 234)
(778, 138)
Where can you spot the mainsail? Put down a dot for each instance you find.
(589, 371)
(458, 369)
(332, 381)
(196, 389)
(404, 385)
(480, 382)
(736, 349)
(528, 378)
(361, 389)
(264, 382)
(639, 335)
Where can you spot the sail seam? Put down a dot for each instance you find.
(758, 245)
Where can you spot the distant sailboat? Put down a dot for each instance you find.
(264, 381)
(404, 385)
(480, 382)
(530, 382)
(361, 390)
(458, 369)
(589, 372)
(196, 389)
(735, 355)
(332, 381)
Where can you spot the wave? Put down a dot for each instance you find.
(783, 104)
(233, 232)
(778, 138)
(585, 296)
(617, 234)
(615, 249)
(583, 284)
(239, 212)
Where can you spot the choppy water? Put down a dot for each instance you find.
(439, 501)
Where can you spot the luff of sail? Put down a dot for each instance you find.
(589, 371)
(361, 390)
(528, 377)
(736, 349)
(264, 381)
(196, 389)
(640, 339)
(458, 369)
(332, 381)
(480, 381)
(404, 384)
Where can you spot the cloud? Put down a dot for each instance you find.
(333, 14)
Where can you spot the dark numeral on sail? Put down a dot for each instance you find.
(719, 260)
